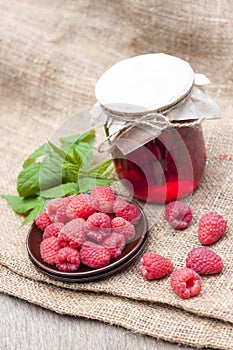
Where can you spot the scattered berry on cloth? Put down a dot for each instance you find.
(123, 227)
(94, 255)
(102, 198)
(115, 243)
(56, 209)
(98, 227)
(68, 259)
(73, 234)
(211, 228)
(126, 210)
(178, 214)
(79, 207)
(154, 266)
(204, 261)
(49, 248)
(43, 220)
(53, 230)
(185, 282)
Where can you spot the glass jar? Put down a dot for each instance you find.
(165, 168)
(157, 102)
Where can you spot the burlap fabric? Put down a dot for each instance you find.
(51, 56)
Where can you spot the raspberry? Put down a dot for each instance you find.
(186, 283)
(94, 255)
(178, 214)
(211, 228)
(126, 210)
(154, 266)
(102, 198)
(68, 259)
(56, 209)
(52, 230)
(49, 248)
(204, 261)
(115, 243)
(42, 221)
(123, 227)
(73, 234)
(99, 227)
(79, 207)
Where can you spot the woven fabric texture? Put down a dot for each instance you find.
(51, 54)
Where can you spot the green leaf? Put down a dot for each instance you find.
(21, 205)
(109, 171)
(76, 157)
(104, 181)
(61, 190)
(50, 171)
(70, 172)
(28, 180)
(87, 183)
(87, 137)
(99, 169)
(86, 152)
(35, 212)
(61, 153)
(40, 151)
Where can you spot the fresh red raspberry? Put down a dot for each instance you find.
(42, 221)
(53, 230)
(68, 259)
(94, 255)
(211, 228)
(154, 266)
(186, 283)
(79, 207)
(56, 209)
(126, 210)
(115, 243)
(178, 214)
(73, 234)
(102, 198)
(204, 261)
(123, 227)
(49, 248)
(99, 227)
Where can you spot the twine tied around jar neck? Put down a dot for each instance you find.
(156, 120)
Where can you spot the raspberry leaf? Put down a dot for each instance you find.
(21, 205)
(87, 137)
(87, 183)
(28, 180)
(76, 157)
(40, 151)
(70, 172)
(62, 154)
(35, 212)
(63, 190)
(99, 169)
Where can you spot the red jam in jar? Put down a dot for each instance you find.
(152, 106)
(166, 168)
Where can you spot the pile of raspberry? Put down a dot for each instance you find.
(89, 229)
(186, 281)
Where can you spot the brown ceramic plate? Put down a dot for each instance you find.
(85, 273)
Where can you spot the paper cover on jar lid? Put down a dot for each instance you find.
(145, 88)
(146, 82)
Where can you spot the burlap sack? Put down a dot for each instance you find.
(152, 319)
(47, 73)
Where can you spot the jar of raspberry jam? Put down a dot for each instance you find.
(152, 109)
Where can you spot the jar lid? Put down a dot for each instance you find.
(144, 83)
